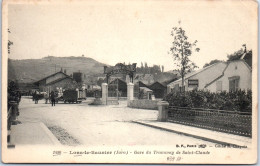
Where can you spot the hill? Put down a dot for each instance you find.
(30, 70)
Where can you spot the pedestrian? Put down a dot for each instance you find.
(36, 97)
(33, 95)
(52, 98)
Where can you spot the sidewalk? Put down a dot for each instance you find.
(32, 133)
(204, 134)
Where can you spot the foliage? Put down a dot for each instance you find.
(9, 43)
(181, 51)
(234, 101)
(237, 54)
(145, 69)
(212, 62)
(12, 89)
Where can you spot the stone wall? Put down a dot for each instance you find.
(143, 104)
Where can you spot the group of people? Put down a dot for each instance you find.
(52, 97)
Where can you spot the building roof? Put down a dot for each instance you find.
(247, 57)
(146, 89)
(165, 83)
(51, 76)
(159, 83)
(141, 84)
(229, 62)
(60, 79)
(195, 72)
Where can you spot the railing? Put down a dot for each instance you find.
(239, 123)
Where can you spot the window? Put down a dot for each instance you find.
(219, 86)
(193, 83)
(233, 83)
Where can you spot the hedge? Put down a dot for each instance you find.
(233, 101)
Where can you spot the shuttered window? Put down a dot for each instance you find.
(219, 86)
(233, 83)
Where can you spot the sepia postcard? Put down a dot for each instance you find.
(121, 81)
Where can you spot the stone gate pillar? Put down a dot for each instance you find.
(130, 91)
(104, 93)
(162, 111)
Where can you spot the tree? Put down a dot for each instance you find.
(237, 54)
(9, 43)
(142, 67)
(100, 81)
(146, 70)
(162, 68)
(212, 62)
(181, 51)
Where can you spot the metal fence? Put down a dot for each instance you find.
(239, 123)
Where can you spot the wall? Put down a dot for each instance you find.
(235, 68)
(66, 83)
(143, 104)
(205, 76)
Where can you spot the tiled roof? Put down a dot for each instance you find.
(51, 76)
(58, 80)
(196, 72)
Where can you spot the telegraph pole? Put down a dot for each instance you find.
(117, 89)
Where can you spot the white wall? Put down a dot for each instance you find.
(235, 68)
(205, 76)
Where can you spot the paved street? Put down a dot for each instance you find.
(99, 125)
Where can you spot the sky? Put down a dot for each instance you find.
(130, 31)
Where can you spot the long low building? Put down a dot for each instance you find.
(56, 81)
(222, 76)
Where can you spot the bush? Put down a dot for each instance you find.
(233, 101)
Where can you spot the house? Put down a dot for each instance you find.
(237, 75)
(198, 79)
(56, 81)
(145, 93)
(159, 89)
(222, 76)
(137, 86)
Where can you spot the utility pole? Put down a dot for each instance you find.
(117, 90)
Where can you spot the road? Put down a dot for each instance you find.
(82, 124)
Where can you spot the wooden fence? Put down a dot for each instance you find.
(239, 123)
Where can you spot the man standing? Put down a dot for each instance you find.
(36, 97)
(52, 98)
